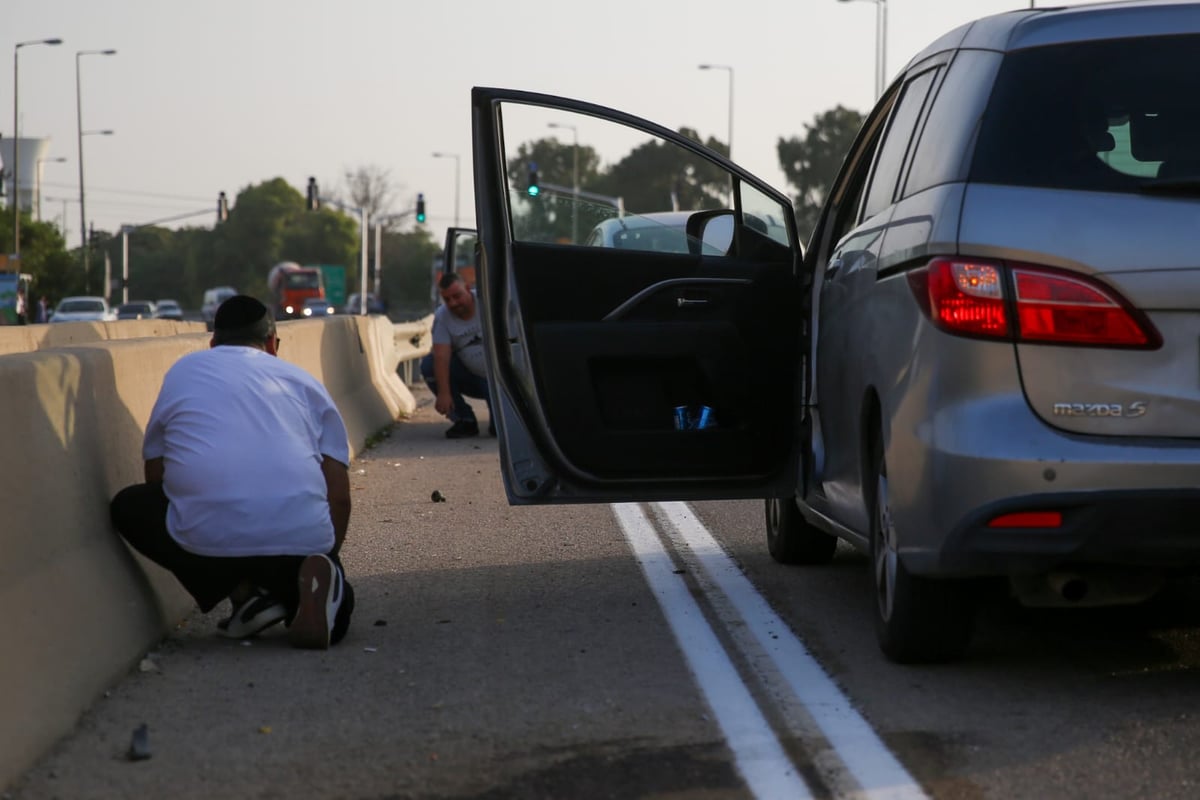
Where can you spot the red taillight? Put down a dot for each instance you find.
(1028, 519)
(970, 298)
(1052, 307)
(963, 297)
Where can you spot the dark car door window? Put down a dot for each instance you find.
(896, 144)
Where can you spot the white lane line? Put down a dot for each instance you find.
(760, 758)
(866, 757)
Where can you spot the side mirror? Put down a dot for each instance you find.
(710, 232)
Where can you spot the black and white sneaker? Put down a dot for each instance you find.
(320, 597)
(252, 617)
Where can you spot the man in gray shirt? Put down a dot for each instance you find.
(455, 367)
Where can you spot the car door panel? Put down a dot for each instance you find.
(593, 349)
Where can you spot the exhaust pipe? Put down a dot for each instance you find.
(1069, 586)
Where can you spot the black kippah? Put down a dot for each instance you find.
(242, 320)
(239, 311)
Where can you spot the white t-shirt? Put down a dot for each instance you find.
(242, 435)
(465, 337)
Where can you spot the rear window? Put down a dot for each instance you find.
(81, 305)
(1098, 116)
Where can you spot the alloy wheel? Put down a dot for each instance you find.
(883, 548)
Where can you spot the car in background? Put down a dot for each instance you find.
(138, 309)
(983, 371)
(374, 304)
(82, 309)
(316, 307)
(212, 300)
(168, 309)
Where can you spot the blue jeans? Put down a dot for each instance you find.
(463, 384)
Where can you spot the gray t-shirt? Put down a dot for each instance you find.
(465, 337)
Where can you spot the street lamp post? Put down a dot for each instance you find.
(83, 231)
(730, 71)
(456, 164)
(574, 178)
(16, 165)
(880, 43)
(37, 184)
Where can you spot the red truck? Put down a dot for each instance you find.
(290, 285)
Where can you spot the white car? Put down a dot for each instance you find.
(168, 309)
(82, 309)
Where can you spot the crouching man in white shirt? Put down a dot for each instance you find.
(247, 491)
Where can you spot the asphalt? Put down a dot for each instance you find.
(495, 652)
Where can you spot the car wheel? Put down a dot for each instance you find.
(792, 539)
(916, 619)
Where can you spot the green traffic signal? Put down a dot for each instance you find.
(532, 188)
(420, 208)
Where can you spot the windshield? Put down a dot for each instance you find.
(303, 280)
(81, 305)
(1102, 116)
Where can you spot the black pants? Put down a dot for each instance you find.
(139, 513)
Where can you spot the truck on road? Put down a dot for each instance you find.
(290, 285)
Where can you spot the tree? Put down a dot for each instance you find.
(658, 176)
(408, 273)
(811, 164)
(370, 187)
(44, 256)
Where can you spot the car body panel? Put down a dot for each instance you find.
(213, 299)
(82, 309)
(316, 307)
(139, 309)
(168, 309)
(354, 304)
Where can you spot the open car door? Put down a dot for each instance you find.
(643, 321)
(460, 253)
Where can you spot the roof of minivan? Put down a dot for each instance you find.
(1015, 30)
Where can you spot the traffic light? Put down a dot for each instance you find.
(314, 196)
(222, 208)
(532, 187)
(420, 207)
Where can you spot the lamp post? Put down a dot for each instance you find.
(16, 165)
(880, 43)
(83, 230)
(456, 161)
(87, 273)
(730, 71)
(574, 177)
(37, 184)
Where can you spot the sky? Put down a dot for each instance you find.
(205, 96)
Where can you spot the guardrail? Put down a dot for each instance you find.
(414, 340)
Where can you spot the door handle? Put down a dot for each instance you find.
(688, 302)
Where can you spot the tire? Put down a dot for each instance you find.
(791, 539)
(917, 620)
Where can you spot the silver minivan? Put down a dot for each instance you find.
(986, 365)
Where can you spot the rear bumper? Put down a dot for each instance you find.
(1158, 529)
(1125, 501)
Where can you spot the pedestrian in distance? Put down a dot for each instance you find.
(42, 313)
(247, 487)
(22, 307)
(455, 367)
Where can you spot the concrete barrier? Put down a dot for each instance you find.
(80, 607)
(28, 338)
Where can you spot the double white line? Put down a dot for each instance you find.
(853, 762)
